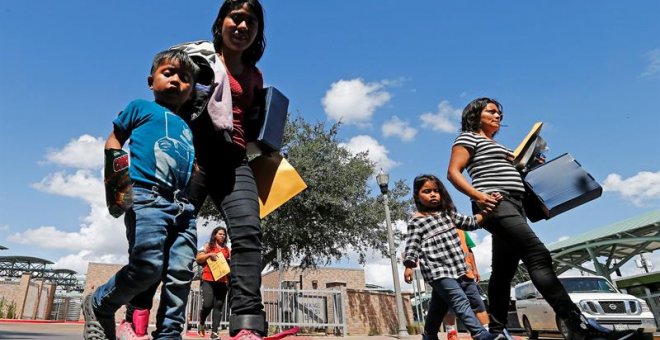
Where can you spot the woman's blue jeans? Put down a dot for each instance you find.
(448, 292)
(162, 238)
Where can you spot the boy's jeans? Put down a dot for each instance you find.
(448, 292)
(162, 239)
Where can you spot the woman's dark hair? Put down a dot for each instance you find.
(215, 231)
(446, 203)
(471, 118)
(252, 55)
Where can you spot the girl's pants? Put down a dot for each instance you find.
(448, 292)
(233, 191)
(514, 240)
(162, 239)
(213, 298)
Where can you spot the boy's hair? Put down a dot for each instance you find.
(253, 53)
(471, 118)
(182, 57)
(215, 231)
(446, 203)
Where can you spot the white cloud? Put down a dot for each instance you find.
(81, 259)
(563, 238)
(376, 152)
(399, 128)
(444, 120)
(82, 184)
(483, 252)
(354, 101)
(653, 67)
(86, 152)
(638, 189)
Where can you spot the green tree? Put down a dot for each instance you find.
(337, 213)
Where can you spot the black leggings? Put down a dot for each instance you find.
(213, 298)
(233, 190)
(514, 240)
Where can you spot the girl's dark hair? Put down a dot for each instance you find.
(471, 118)
(252, 55)
(446, 203)
(215, 231)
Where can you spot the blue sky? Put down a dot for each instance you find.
(397, 74)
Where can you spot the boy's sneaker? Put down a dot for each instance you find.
(246, 334)
(126, 332)
(452, 335)
(96, 328)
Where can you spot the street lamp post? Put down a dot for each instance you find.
(383, 180)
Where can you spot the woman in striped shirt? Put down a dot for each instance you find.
(490, 166)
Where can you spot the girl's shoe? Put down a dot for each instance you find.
(452, 335)
(126, 332)
(246, 334)
(581, 328)
(200, 331)
(141, 321)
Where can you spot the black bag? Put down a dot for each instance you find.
(557, 186)
(272, 110)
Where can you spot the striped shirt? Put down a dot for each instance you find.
(434, 240)
(490, 166)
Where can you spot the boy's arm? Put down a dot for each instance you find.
(116, 140)
(118, 192)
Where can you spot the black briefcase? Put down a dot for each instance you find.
(272, 108)
(557, 186)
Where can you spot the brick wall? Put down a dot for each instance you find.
(371, 313)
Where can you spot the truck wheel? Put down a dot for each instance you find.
(531, 334)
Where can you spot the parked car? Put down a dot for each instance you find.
(594, 295)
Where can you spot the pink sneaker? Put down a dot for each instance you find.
(126, 332)
(141, 321)
(452, 335)
(246, 334)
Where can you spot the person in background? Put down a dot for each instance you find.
(214, 290)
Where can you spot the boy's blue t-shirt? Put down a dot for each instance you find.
(161, 145)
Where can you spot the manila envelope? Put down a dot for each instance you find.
(277, 182)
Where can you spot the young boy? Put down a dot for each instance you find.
(160, 223)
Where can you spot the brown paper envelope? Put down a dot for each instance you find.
(277, 182)
(219, 267)
(524, 145)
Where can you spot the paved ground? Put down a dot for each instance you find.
(73, 331)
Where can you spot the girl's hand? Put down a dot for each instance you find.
(488, 201)
(213, 256)
(408, 275)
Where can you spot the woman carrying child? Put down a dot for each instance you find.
(432, 239)
(223, 172)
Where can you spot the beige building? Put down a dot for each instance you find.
(33, 298)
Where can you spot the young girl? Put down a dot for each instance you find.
(214, 291)
(433, 239)
(223, 171)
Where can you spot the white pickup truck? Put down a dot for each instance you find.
(594, 295)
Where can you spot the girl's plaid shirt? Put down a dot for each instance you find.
(433, 240)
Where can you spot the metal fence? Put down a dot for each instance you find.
(65, 308)
(313, 310)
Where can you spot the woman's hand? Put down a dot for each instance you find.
(488, 202)
(213, 256)
(408, 275)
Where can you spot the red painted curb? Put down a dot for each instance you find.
(39, 321)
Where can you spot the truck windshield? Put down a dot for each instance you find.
(587, 285)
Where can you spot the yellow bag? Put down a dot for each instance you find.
(277, 182)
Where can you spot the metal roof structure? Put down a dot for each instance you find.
(15, 266)
(609, 247)
(2, 247)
